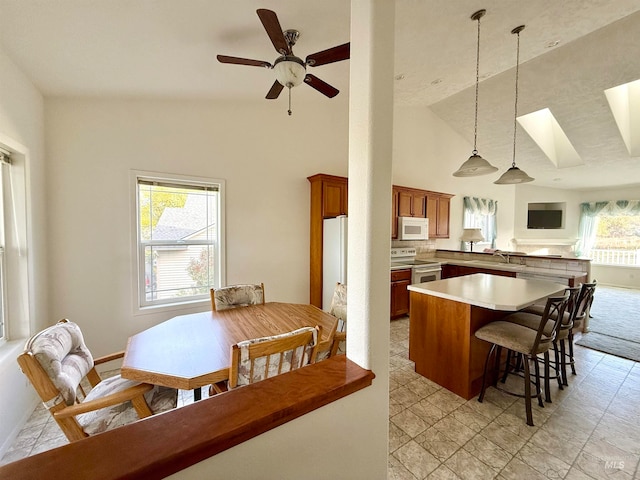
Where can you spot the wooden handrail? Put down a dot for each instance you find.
(164, 444)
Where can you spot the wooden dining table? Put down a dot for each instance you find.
(190, 351)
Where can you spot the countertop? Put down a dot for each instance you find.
(490, 291)
(511, 267)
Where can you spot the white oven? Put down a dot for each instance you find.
(423, 270)
(425, 273)
(412, 228)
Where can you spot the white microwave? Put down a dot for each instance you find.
(412, 228)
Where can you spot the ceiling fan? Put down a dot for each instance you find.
(291, 70)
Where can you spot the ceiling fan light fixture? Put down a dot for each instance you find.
(290, 71)
(476, 165)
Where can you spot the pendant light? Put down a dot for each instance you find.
(476, 165)
(514, 175)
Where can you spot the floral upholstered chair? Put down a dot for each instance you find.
(56, 360)
(261, 358)
(237, 296)
(339, 310)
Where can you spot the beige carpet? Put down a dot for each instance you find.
(615, 323)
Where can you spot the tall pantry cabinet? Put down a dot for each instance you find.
(329, 199)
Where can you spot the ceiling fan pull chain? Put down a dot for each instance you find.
(289, 111)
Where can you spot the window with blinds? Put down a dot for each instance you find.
(179, 238)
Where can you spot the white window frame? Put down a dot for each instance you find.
(141, 305)
(4, 330)
(16, 268)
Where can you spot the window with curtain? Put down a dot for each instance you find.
(609, 232)
(480, 213)
(179, 239)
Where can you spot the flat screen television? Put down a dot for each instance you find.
(544, 219)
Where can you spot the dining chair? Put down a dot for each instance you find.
(338, 309)
(235, 296)
(56, 361)
(261, 358)
(526, 343)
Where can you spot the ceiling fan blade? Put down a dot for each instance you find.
(321, 86)
(243, 61)
(275, 90)
(335, 54)
(271, 24)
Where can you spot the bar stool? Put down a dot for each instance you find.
(579, 310)
(525, 342)
(530, 318)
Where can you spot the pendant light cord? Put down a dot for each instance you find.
(515, 114)
(475, 123)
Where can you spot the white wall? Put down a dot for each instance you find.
(263, 154)
(528, 193)
(21, 125)
(425, 155)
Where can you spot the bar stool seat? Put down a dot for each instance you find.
(517, 338)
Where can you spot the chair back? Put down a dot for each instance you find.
(338, 306)
(572, 307)
(237, 296)
(585, 299)
(260, 358)
(55, 361)
(554, 311)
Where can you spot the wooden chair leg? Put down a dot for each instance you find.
(141, 406)
(486, 368)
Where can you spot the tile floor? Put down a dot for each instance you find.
(590, 431)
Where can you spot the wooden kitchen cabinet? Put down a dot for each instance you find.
(450, 271)
(412, 202)
(334, 197)
(329, 199)
(400, 280)
(438, 215)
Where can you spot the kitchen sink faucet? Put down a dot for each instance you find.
(503, 256)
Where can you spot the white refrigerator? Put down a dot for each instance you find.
(334, 257)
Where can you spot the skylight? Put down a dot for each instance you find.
(544, 129)
(624, 102)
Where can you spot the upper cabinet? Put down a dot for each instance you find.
(334, 196)
(412, 202)
(438, 214)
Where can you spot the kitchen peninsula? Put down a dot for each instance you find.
(446, 313)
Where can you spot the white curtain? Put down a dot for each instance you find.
(590, 212)
(480, 213)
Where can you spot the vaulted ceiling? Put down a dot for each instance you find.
(571, 51)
